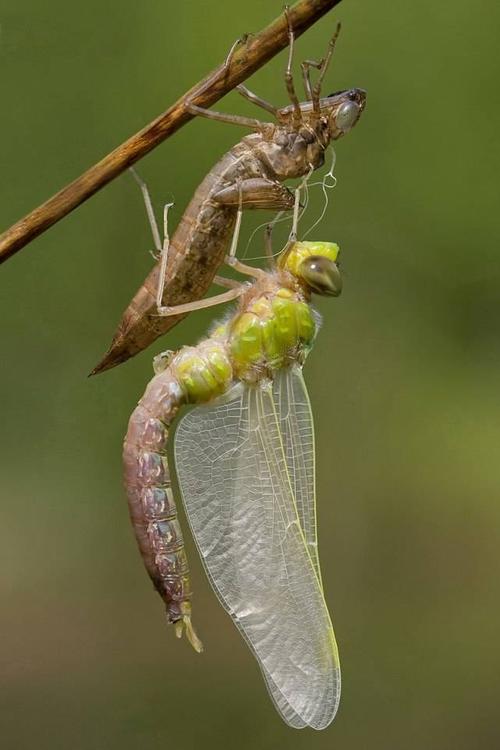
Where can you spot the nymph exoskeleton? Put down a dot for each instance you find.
(249, 176)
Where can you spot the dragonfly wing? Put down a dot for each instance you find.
(297, 430)
(233, 474)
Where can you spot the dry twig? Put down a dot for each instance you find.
(248, 57)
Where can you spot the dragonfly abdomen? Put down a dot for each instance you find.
(195, 374)
(151, 500)
(273, 328)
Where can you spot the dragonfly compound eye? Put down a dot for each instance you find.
(347, 116)
(322, 275)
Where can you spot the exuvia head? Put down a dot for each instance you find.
(343, 109)
(315, 266)
(338, 114)
(327, 118)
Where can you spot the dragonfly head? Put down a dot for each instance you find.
(314, 264)
(339, 113)
(343, 109)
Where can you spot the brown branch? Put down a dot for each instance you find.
(247, 58)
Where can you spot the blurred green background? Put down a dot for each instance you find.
(404, 381)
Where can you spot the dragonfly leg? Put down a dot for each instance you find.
(202, 304)
(306, 75)
(237, 227)
(255, 273)
(256, 192)
(268, 233)
(163, 257)
(268, 243)
(229, 283)
(150, 213)
(258, 100)
(290, 86)
(247, 122)
(231, 259)
(316, 90)
(297, 205)
(244, 192)
(194, 109)
(218, 299)
(293, 232)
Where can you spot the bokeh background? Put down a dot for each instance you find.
(404, 382)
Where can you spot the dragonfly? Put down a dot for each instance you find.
(248, 176)
(245, 463)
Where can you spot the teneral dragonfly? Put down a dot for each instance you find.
(244, 457)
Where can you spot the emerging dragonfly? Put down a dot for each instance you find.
(249, 175)
(245, 461)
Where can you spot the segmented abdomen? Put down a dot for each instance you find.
(150, 497)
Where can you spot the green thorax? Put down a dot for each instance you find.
(275, 329)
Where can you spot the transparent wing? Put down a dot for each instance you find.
(297, 430)
(231, 462)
